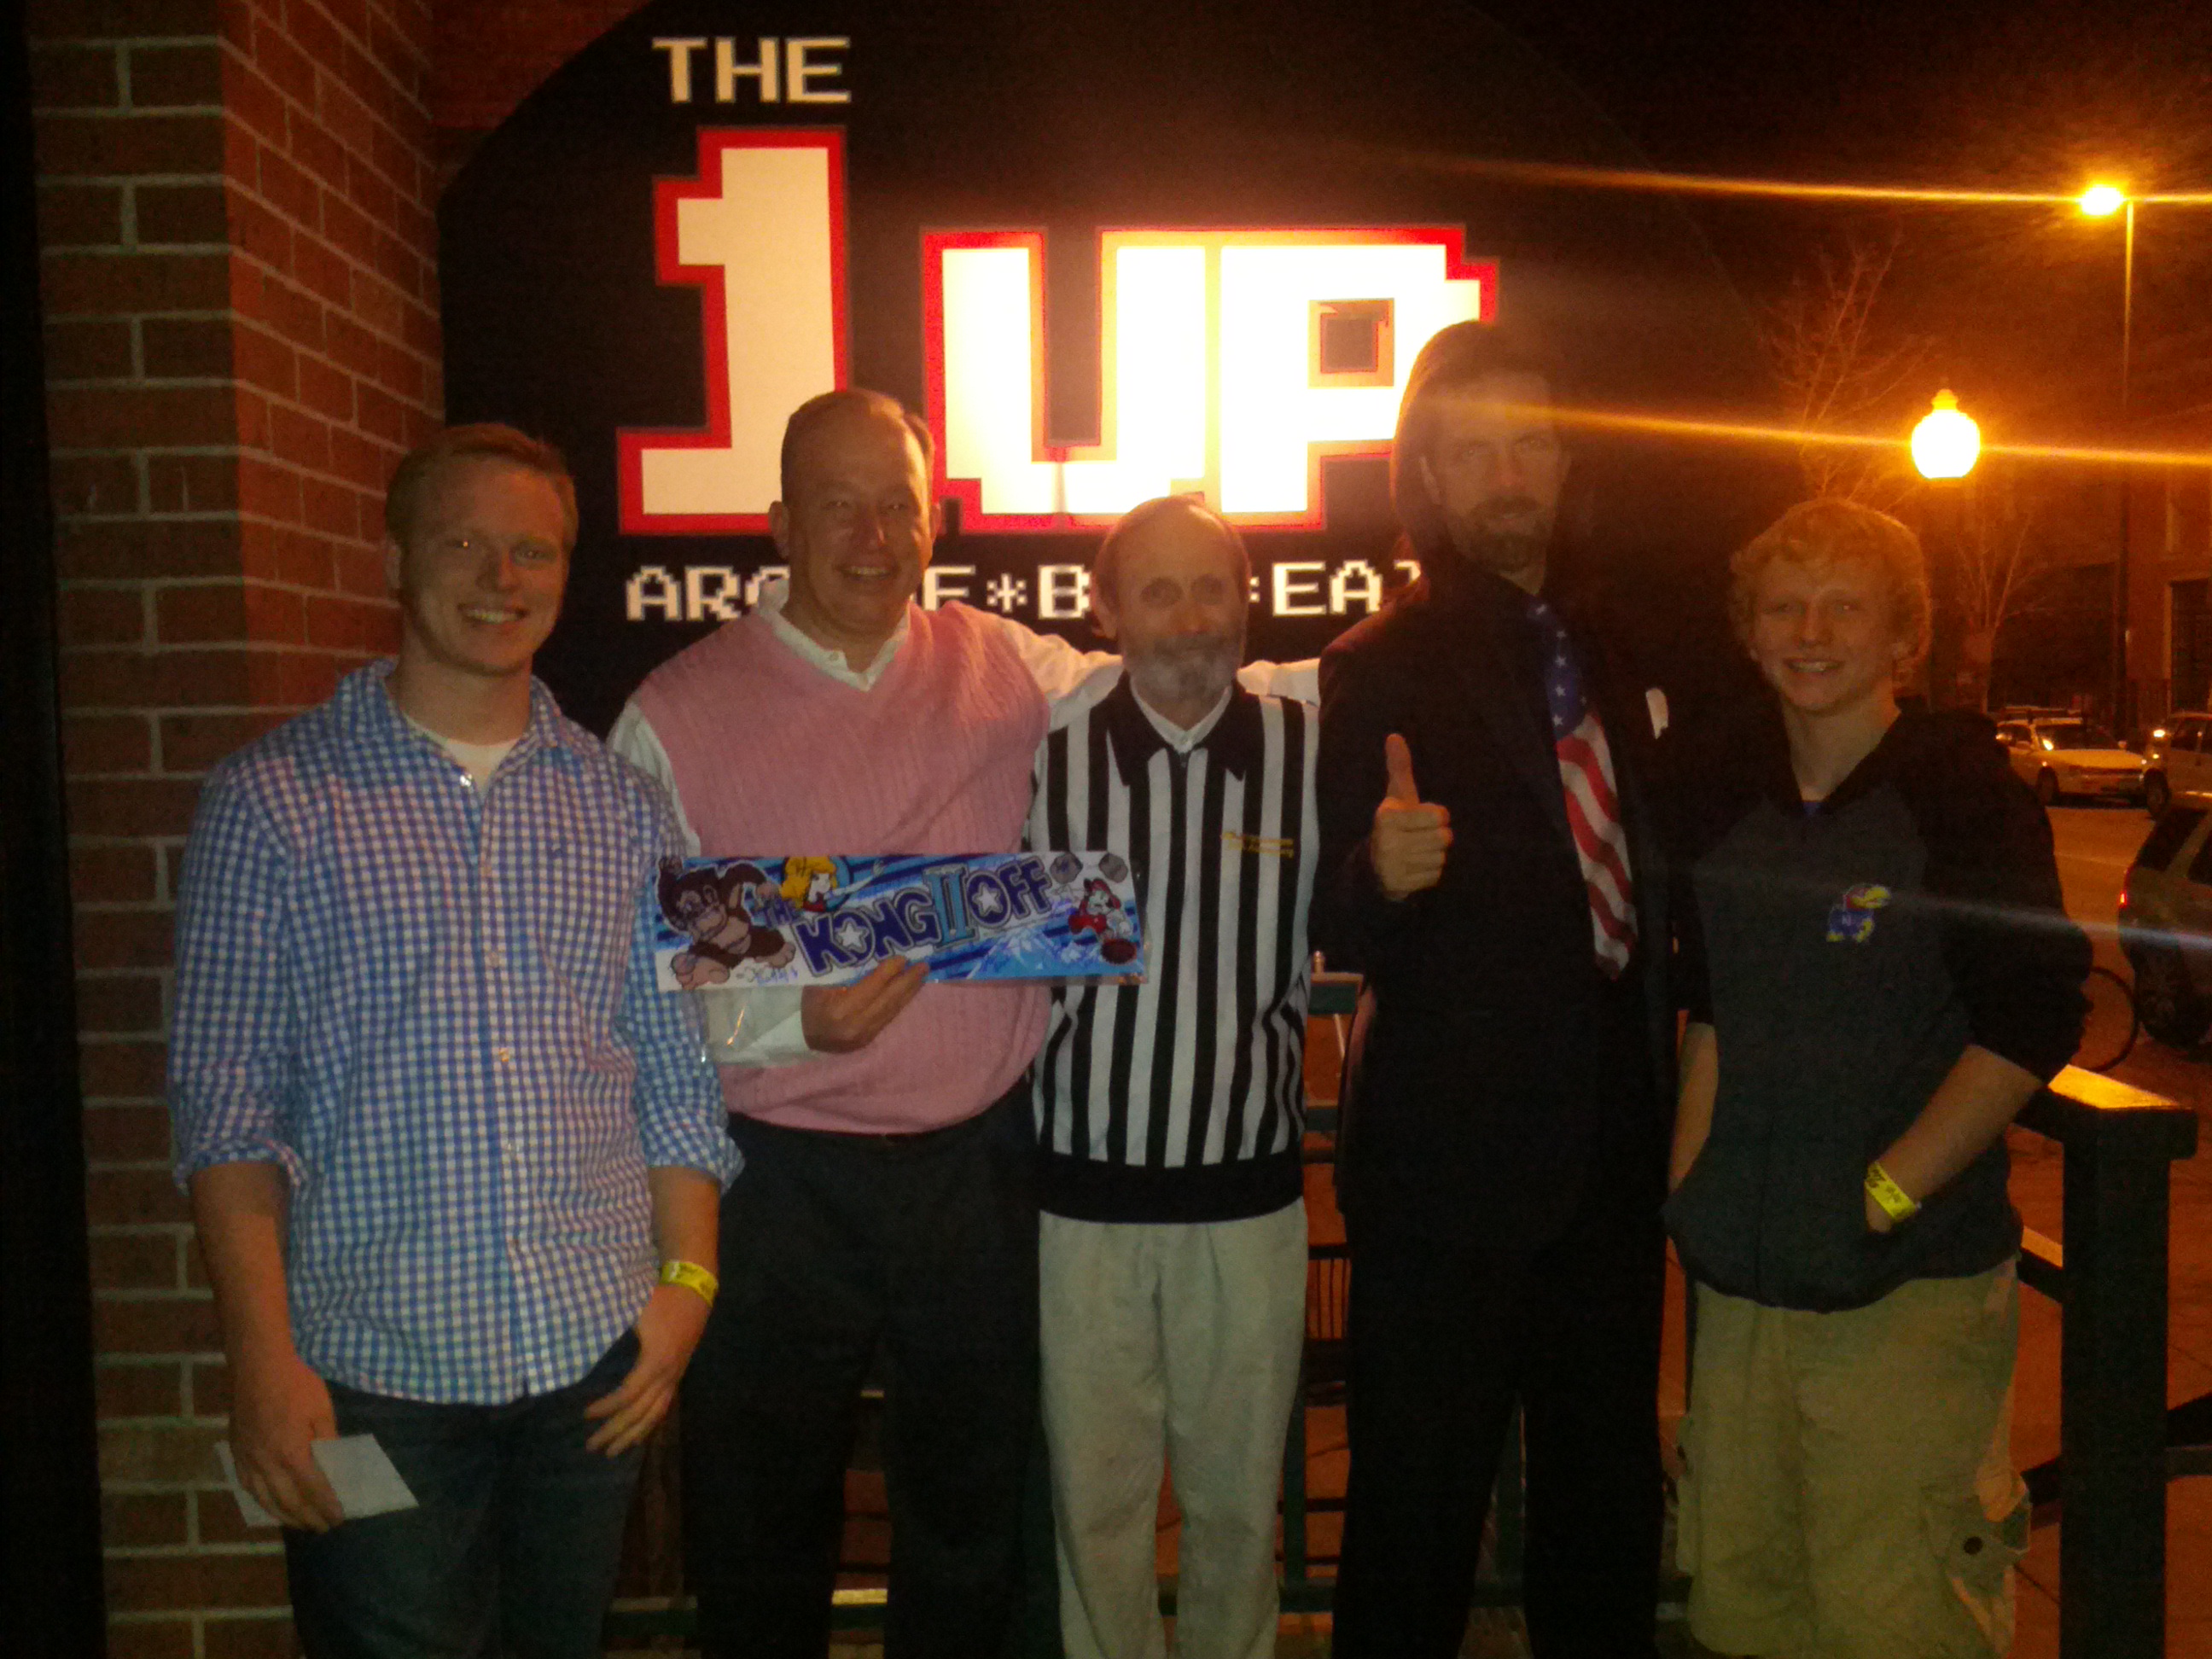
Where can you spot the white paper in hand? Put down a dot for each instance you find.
(249, 1506)
(359, 1471)
(362, 1474)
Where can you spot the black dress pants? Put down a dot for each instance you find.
(832, 1245)
(1447, 1334)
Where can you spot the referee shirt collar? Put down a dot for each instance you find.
(1234, 741)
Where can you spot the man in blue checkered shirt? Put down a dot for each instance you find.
(455, 1163)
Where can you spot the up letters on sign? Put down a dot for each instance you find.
(1233, 361)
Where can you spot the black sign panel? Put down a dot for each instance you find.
(1109, 251)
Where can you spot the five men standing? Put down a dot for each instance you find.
(438, 1123)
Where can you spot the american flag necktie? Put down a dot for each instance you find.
(1586, 776)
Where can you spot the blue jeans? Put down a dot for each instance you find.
(513, 1548)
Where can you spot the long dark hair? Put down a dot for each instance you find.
(1455, 357)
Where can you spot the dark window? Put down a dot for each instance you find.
(2192, 644)
(2166, 836)
(2200, 868)
(2187, 735)
(1351, 342)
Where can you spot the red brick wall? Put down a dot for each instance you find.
(492, 54)
(238, 266)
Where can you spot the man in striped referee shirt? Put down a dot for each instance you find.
(1170, 1110)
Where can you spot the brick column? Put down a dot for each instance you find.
(238, 276)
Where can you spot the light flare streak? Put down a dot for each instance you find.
(1701, 184)
(1676, 426)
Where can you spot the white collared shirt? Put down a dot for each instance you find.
(1182, 739)
(830, 660)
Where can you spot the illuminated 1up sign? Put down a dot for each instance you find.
(1234, 360)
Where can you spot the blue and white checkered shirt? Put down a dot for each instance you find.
(433, 1005)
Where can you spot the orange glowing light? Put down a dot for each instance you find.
(1946, 443)
(2102, 201)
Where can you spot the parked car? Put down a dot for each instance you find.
(2177, 758)
(2069, 756)
(2166, 923)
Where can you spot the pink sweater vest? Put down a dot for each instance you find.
(772, 756)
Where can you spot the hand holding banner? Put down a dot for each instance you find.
(813, 920)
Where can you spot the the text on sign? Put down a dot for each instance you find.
(778, 70)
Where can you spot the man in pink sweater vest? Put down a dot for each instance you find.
(887, 1197)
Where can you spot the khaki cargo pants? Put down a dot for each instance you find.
(1848, 1489)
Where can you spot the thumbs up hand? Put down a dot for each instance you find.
(1410, 836)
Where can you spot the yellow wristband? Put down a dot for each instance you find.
(1896, 1203)
(692, 1277)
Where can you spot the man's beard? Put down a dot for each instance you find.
(1191, 669)
(1510, 533)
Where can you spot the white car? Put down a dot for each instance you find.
(2060, 758)
(2166, 923)
(2177, 759)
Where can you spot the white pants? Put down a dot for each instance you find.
(1182, 1339)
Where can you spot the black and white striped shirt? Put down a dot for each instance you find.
(1182, 1098)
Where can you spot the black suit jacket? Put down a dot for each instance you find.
(1495, 1061)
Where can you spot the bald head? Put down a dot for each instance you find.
(1174, 516)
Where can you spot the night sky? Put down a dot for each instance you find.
(2020, 304)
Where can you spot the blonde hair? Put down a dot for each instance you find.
(799, 875)
(1830, 531)
(486, 441)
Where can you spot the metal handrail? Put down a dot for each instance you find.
(2110, 1277)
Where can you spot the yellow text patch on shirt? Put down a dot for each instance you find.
(1274, 847)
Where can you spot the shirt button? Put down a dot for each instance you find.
(504, 1056)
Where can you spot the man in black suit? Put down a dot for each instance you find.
(1490, 863)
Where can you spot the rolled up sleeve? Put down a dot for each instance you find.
(682, 1122)
(232, 1042)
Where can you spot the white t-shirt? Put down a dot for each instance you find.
(478, 760)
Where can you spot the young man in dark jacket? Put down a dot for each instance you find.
(1880, 975)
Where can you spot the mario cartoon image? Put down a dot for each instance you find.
(808, 883)
(1099, 914)
(714, 907)
(1850, 919)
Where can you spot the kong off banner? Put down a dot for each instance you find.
(1108, 252)
(814, 920)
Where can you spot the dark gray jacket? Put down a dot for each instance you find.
(1846, 955)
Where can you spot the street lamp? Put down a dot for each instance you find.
(2102, 202)
(1946, 442)
(1945, 446)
